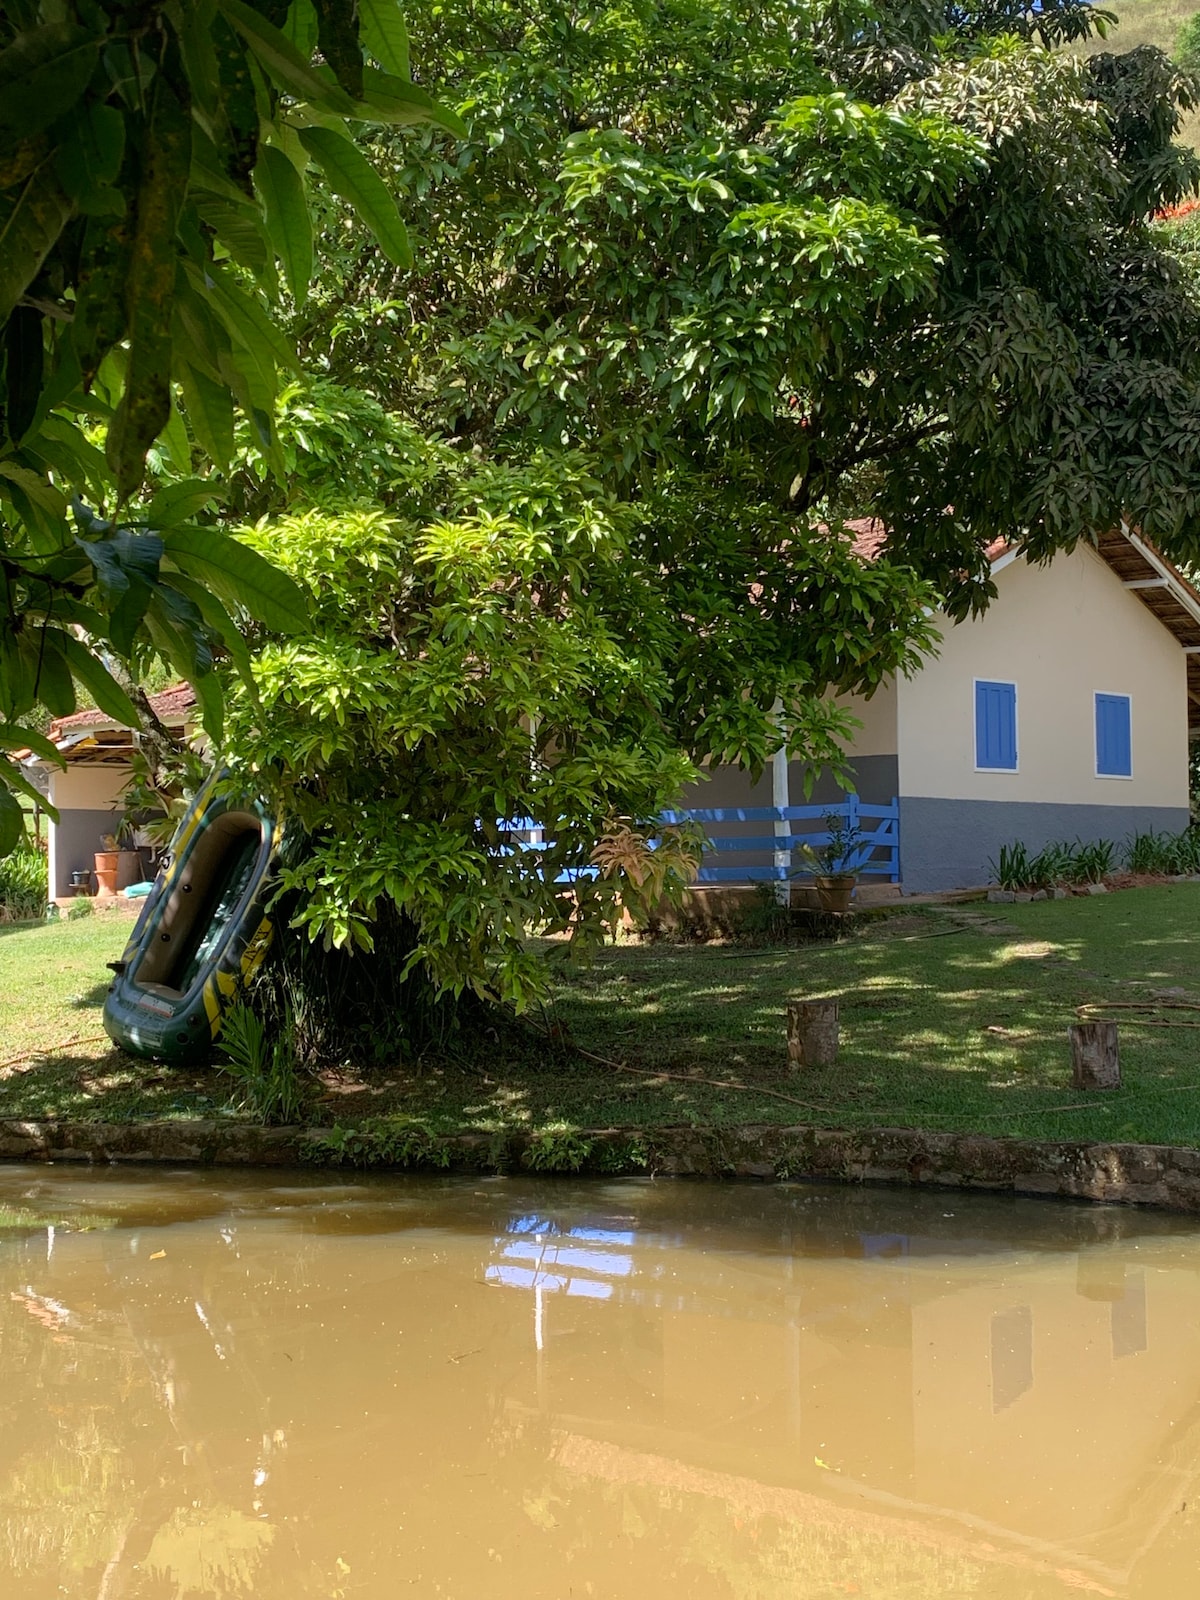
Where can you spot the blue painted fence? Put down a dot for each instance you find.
(876, 856)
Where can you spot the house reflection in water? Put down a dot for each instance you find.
(987, 1403)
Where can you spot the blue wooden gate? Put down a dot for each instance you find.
(877, 855)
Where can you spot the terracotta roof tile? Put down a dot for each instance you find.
(171, 705)
(870, 534)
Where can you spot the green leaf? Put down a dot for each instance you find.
(239, 576)
(13, 737)
(145, 405)
(288, 220)
(209, 408)
(212, 705)
(353, 177)
(283, 62)
(39, 491)
(16, 680)
(239, 227)
(246, 320)
(179, 502)
(99, 321)
(337, 36)
(43, 73)
(30, 224)
(175, 625)
(99, 682)
(301, 27)
(395, 100)
(12, 820)
(89, 158)
(219, 622)
(55, 689)
(384, 34)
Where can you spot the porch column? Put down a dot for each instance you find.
(780, 798)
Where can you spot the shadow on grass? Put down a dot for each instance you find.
(108, 1088)
(90, 999)
(963, 1028)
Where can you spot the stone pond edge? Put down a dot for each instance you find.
(1166, 1176)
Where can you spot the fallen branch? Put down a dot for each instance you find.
(710, 1083)
(1139, 1005)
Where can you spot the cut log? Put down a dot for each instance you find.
(812, 1032)
(1095, 1061)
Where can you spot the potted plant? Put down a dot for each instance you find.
(833, 879)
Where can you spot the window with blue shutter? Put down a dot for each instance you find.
(1114, 736)
(996, 725)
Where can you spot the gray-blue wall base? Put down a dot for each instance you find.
(947, 844)
(875, 779)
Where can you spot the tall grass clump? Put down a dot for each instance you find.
(262, 1067)
(1055, 865)
(1164, 854)
(24, 885)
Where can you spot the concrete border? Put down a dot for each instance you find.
(1133, 1174)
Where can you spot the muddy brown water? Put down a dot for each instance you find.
(361, 1389)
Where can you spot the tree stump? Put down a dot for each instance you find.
(1095, 1061)
(812, 1032)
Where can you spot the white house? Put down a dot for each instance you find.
(89, 790)
(1064, 712)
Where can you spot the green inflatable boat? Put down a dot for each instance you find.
(202, 932)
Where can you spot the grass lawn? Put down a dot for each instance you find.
(951, 1019)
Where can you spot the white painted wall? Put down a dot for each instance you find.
(878, 718)
(1062, 633)
(88, 788)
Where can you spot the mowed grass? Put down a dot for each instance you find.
(952, 1019)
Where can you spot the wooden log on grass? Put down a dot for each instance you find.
(812, 1032)
(1095, 1059)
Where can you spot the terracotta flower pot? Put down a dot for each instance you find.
(107, 864)
(835, 890)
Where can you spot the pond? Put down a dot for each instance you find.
(225, 1385)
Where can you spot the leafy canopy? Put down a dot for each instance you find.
(154, 166)
(504, 641)
(889, 259)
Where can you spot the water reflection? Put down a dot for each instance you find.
(219, 1388)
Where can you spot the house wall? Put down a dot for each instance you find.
(1061, 633)
(89, 803)
(873, 767)
(873, 764)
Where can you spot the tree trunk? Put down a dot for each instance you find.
(812, 1032)
(1095, 1061)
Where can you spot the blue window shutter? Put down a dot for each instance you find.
(996, 725)
(1114, 738)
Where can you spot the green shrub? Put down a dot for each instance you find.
(557, 1149)
(1187, 44)
(263, 1069)
(23, 885)
(386, 1141)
